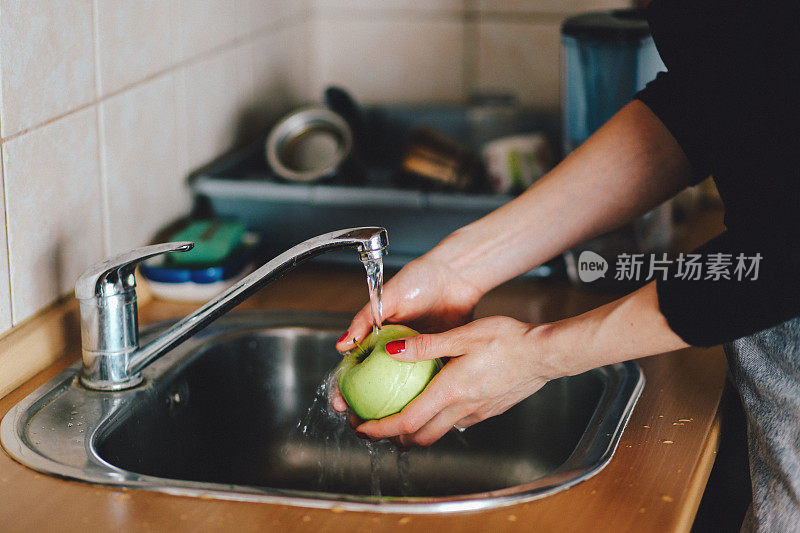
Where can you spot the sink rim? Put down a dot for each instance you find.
(623, 384)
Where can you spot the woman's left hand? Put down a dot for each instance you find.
(494, 364)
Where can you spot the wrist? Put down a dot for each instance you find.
(450, 257)
(547, 345)
(454, 251)
(624, 329)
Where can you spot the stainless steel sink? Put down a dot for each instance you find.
(226, 415)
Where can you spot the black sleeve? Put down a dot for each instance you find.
(731, 107)
(681, 110)
(707, 312)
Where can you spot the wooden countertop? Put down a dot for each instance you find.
(653, 483)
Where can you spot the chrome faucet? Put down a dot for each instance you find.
(112, 357)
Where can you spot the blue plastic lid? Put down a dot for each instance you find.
(155, 269)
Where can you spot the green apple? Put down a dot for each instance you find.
(377, 385)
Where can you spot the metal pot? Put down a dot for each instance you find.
(309, 144)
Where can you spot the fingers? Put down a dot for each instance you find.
(470, 420)
(337, 402)
(415, 415)
(428, 346)
(436, 428)
(336, 399)
(360, 327)
(354, 420)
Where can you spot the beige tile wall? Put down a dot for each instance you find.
(412, 51)
(106, 105)
(390, 58)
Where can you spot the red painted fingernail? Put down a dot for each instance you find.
(396, 347)
(343, 337)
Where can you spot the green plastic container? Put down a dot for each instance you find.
(214, 242)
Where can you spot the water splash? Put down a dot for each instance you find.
(323, 426)
(403, 468)
(375, 464)
(374, 268)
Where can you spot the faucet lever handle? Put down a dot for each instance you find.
(115, 275)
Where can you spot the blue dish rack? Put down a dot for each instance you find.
(240, 185)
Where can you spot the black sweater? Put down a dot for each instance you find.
(731, 98)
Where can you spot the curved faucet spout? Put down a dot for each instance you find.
(118, 370)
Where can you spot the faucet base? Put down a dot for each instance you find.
(104, 385)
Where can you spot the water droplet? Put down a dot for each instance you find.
(69, 424)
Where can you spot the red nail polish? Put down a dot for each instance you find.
(343, 337)
(396, 347)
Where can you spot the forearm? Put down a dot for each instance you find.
(513, 360)
(625, 169)
(624, 329)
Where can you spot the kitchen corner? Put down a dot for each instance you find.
(239, 129)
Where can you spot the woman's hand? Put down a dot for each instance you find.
(494, 364)
(426, 295)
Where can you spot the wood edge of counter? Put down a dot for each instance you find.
(699, 479)
(39, 341)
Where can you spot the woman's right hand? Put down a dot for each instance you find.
(426, 295)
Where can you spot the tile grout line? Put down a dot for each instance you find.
(312, 62)
(8, 234)
(405, 14)
(522, 17)
(6, 219)
(225, 47)
(510, 17)
(471, 46)
(99, 117)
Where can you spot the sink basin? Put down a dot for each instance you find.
(236, 412)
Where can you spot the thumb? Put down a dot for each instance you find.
(425, 347)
